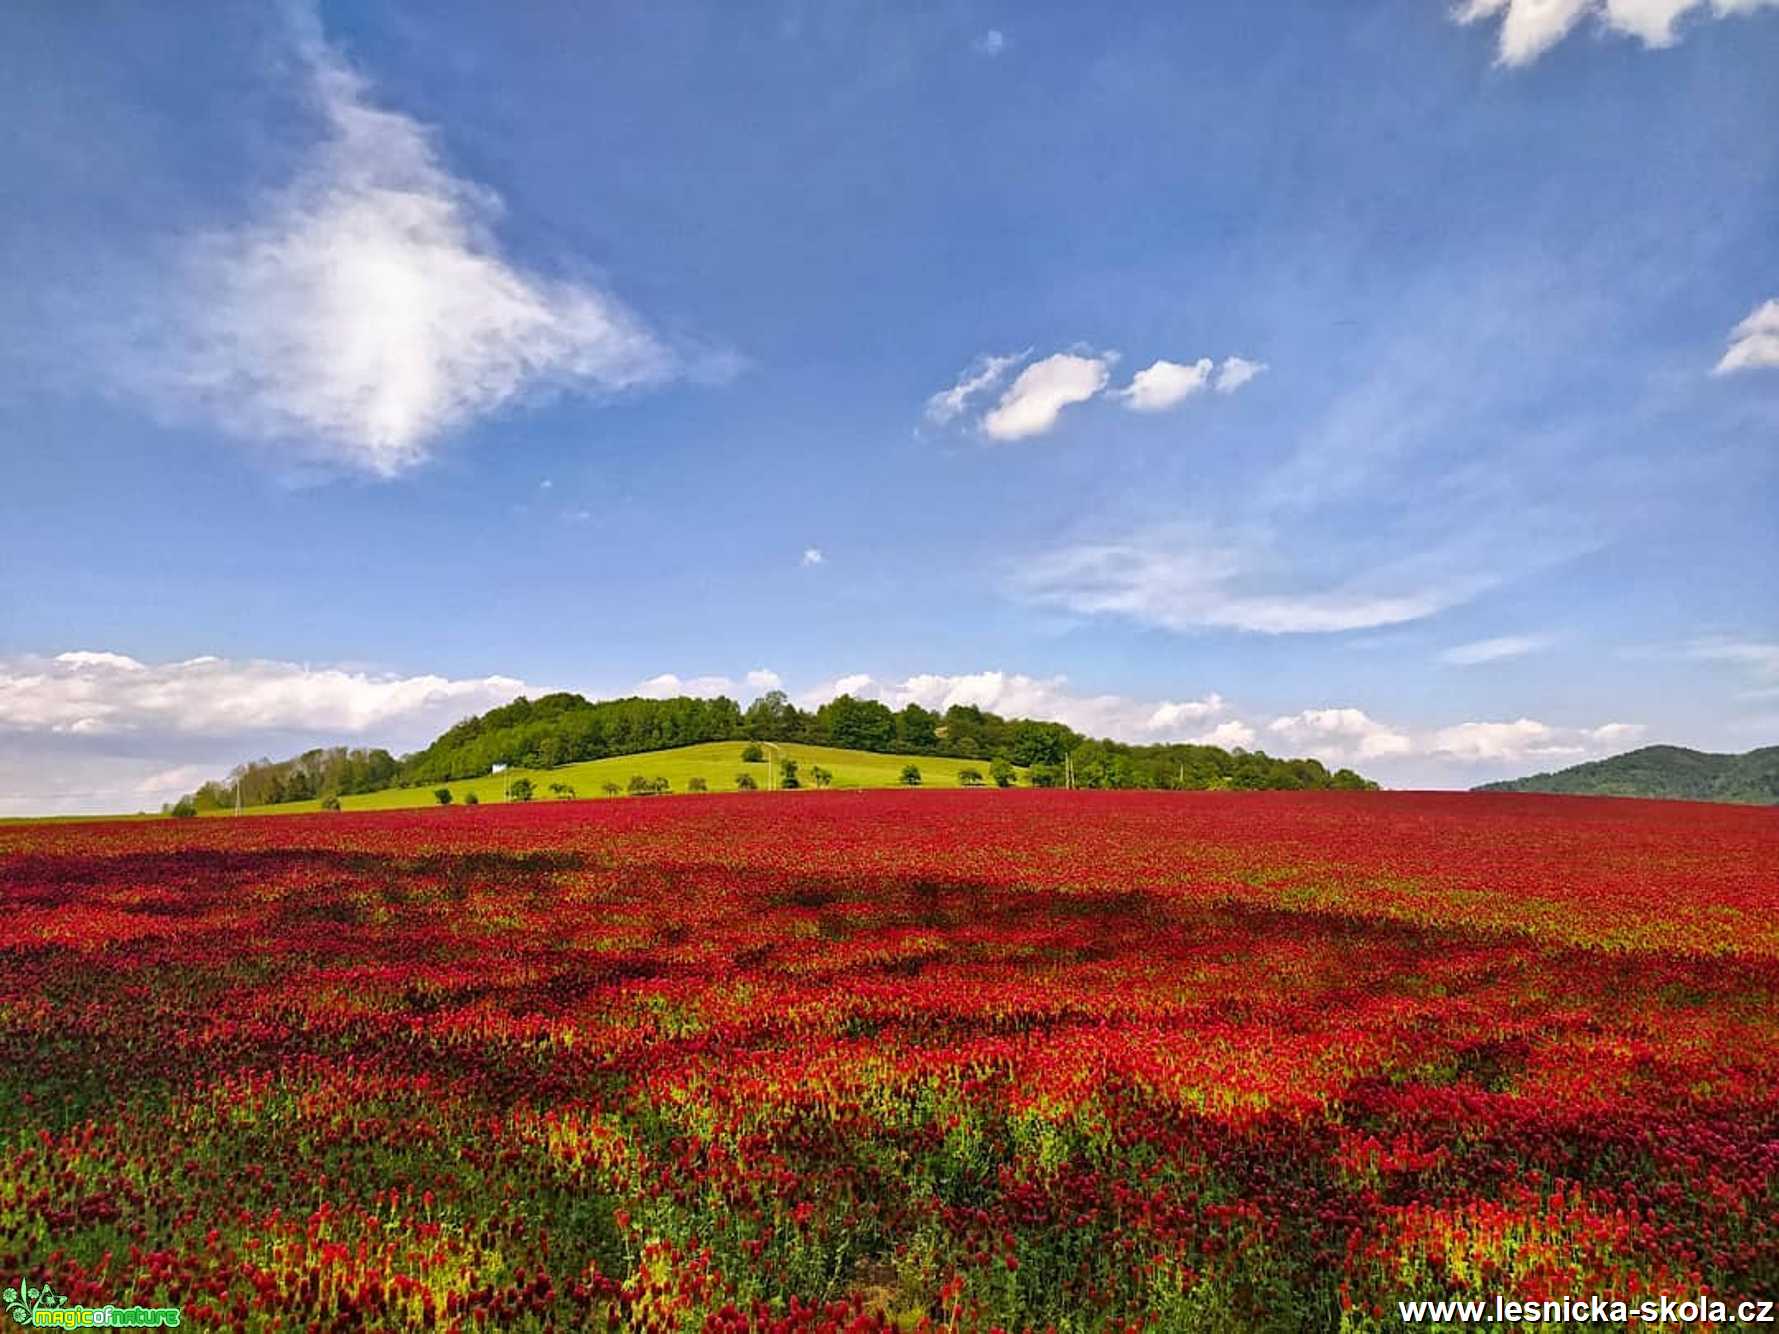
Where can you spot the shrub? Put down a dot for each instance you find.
(970, 778)
(183, 809)
(753, 753)
(610, 788)
(640, 787)
(1001, 770)
(745, 783)
(442, 795)
(787, 770)
(820, 776)
(332, 803)
(661, 786)
(562, 791)
(469, 799)
(520, 789)
(697, 784)
(910, 775)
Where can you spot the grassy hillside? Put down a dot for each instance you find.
(717, 762)
(1664, 771)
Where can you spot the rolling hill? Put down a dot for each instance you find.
(717, 762)
(1663, 771)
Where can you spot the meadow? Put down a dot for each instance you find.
(867, 1060)
(717, 762)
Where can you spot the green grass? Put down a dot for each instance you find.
(717, 762)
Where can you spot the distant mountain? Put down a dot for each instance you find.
(1664, 771)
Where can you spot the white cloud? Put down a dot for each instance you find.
(670, 686)
(1185, 580)
(1169, 715)
(103, 694)
(1034, 401)
(981, 375)
(100, 731)
(366, 308)
(1165, 384)
(1236, 372)
(813, 556)
(1616, 734)
(1522, 739)
(181, 778)
(1341, 734)
(1754, 343)
(1231, 735)
(1493, 650)
(1351, 736)
(1016, 695)
(990, 43)
(1529, 28)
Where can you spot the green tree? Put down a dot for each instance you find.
(753, 753)
(562, 791)
(660, 786)
(745, 783)
(917, 729)
(969, 778)
(771, 717)
(442, 795)
(332, 803)
(696, 783)
(910, 775)
(1000, 768)
(820, 776)
(610, 788)
(183, 809)
(519, 789)
(787, 773)
(857, 724)
(469, 799)
(640, 786)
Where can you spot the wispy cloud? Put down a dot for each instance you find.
(1190, 579)
(366, 308)
(813, 556)
(990, 43)
(1493, 650)
(1529, 28)
(1754, 343)
(980, 376)
(1759, 657)
(1236, 372)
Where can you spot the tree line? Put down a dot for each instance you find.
(567, 728)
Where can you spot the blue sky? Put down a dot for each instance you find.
(1394, 382)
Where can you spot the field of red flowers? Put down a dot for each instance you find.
(946, 1060)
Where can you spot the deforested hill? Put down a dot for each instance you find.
(1664, 771)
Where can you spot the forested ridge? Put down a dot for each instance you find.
(1673, 772)
(568, 728)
